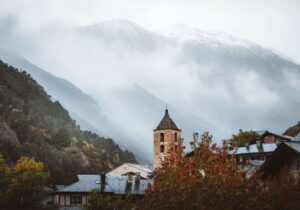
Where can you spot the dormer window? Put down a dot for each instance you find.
(162, 137)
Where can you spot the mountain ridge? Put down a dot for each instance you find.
(227, 88)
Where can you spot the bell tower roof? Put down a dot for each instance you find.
(167, 123)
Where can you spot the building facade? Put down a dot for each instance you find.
(269, 137)
(76, 195)
(166, 139)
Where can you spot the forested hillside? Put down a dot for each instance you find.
(32, 125)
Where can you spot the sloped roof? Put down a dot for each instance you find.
(253, 148)
(285, 152)
(113, 184)
(263, 133)
(167, 123)
(144, 170)
(297, 137)
(294, 145)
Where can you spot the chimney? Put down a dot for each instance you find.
(102, 181)
(247, 145)
(129, 183)
(258, 143)
(230, 147)
(137, 181)
(129, 177)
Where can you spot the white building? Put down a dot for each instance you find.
(130, 168)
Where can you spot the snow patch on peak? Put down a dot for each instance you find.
(117, 26)
(185, 33)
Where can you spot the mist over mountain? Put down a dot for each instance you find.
(83, 108)
(211, 81)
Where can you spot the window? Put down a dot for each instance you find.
(176, 137)
(162, 148)
(75, 200)
(175, 147)
(162, 137)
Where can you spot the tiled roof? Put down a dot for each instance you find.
(166, 123)
(114, 184)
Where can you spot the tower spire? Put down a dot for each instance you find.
(166, 111)
(167, 137)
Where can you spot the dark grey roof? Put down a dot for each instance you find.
(261, 132)
(167, 123)
(266, 132)
(295, 145)
(284, 153)
(297, 137)
(113, 184)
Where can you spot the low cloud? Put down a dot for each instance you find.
(131, 78)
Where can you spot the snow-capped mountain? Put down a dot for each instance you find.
(212, 81)
(185, 33)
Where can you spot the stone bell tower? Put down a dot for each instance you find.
(167, 137)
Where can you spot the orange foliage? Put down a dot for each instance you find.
(210, 180)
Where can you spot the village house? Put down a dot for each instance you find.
(253, 152)
(286, 156)
(260, 151)
(268, 137)
(76, 195)
(252, 156)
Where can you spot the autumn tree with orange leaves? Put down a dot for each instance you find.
(209, 179)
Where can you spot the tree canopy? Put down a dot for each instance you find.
(31, 124)
(97, 201)
(211, 180)
(244, 137)
(21, 185)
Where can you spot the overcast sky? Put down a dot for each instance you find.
(270, 23)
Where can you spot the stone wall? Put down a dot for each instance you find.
(170, 143)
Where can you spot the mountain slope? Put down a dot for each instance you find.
(228, 82)
(293, 130)
(82, 107)
(218, 82)
(31, 124)
(60, 89)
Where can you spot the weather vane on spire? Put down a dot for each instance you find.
(166, 106)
